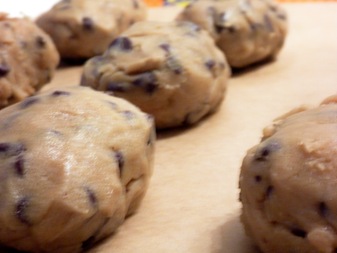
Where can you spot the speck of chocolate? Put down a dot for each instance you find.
(269, 191)
(91, 196)
(147, 81)
(281, 16)
(298, 232)
(11, 149)
(28, 102)
(4, 147)
(135, 4)
(19, 166)
(122, 43)
(40, 42)
(115, 86)
(119, 157)
(58, 93)
(88, 243)
(258, 179)
(166, 47)
(128, 115)
(174, 65)
(21, 210)
(4, 70)
(268, 23)
(210, 64)
(322, 209)
(263, 154)
(88, 24)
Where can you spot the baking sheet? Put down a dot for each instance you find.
(192, 202)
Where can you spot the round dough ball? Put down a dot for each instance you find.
(170, 70)
(74, 163)
(85, 28)
(28, 59)
(288, 184)
(247, 31)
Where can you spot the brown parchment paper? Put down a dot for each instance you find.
(192, 203)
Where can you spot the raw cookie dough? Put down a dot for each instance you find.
(73, 164)
(247, 31)
(84, 28)
(288, 183)
(173, 71)
(28, 59)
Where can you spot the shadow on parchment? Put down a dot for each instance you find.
(237, 72)
(231, 238)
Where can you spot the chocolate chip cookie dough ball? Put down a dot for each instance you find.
(288, 184)
(73, 164)
(28, 59)
(170, 70)
(84, 28)
(247, 31)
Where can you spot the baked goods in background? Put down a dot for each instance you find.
(288, 183)
(172, 71)
(247, 31)
(84, 28)
(73, 164)
(28, 59)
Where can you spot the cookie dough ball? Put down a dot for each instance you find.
(171, 70)
(85, 28)
(288, 184)
(247, 31)
(73, 164)
(28, 59)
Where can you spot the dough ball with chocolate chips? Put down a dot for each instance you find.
(247, 31)
(173, 71)
(73, 164)
(28, 59)
(85, 28)
(288, 183)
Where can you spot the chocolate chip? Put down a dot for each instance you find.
(4, 70)
(91, 196)
(258, 178)
(298, 232)
(128, 115)
(19, 166)
(218, 28)
(88, 243)
(147, 81)
(120, 160)
(122, 43)
(210, 64)
(21, 210)
(322, 209)
(166, 47)
(174, 64)
(4, 147)
(28, 102)
(269, 191)
(273, 8)
(11, 149)
(40, 42)
(268, 23)
(281, 16)
(114, 86)
(88, 24)
(60, 93)
(135, 4)
(262, 154)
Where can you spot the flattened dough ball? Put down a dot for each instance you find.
(28, 59)
(173, 71)
(288, 183)
(247, 31)
(85, 28)
(73, 164)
